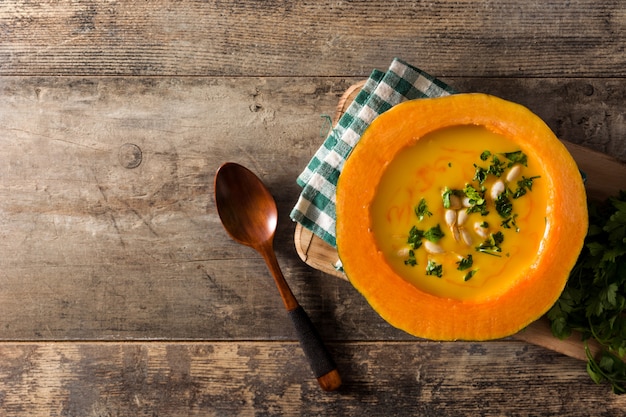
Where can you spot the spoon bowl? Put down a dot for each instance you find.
(245, 206)
(249, 215)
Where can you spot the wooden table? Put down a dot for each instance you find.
(120, 292)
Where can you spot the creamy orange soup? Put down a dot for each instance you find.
(461, 214)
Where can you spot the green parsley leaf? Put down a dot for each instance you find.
(465, 263)
(491, 245)
(433, 268)
(523, 185)
(434, 234)
(485, 155)
(475, 197)
(477, 201)
(415, 238)
(594, 299)
(469, 275)
(447, 193)
(421, 210)
(411, 260)
(504, 207)
(480, 174)
(446, 197)
(517, 157)
(497, 167)
(510, 222)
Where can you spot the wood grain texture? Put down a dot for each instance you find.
(264, 379)
(105, 249)
(93, 250)
(121, 294)
(329, 38)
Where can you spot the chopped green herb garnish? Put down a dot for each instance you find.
(415, 238)
(470, 274)
(484, 225)
(421, 210)
(504, 207)
(480, 174)
(412, 260)
(523, 185)
(517, 157)
(447, 193)
(510, 222)
(497, 167)
(433, 268)
(465, 263)
(491, 245)
(476, 199)
(434, 234)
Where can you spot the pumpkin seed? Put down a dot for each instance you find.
(496, 189)
(455, 233)
(467, 238)
(451, 217)
(513, 173)
(402, 253)
(433, 248)
(461, 217)
(481, 230)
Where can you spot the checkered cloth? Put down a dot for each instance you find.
(315, 208)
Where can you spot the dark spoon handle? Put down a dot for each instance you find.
(321, 362)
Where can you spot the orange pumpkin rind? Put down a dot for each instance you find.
(438, 318)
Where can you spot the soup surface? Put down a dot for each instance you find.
(461, 213)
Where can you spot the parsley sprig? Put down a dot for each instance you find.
(594, 299)
(421, 210)
(491, 245)
(465, 263)
(434, 234)
(433, 268)
(477, 201)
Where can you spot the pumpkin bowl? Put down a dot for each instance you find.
(460, 218)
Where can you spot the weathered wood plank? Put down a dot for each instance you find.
(262, 379)
(94, 250)
(234, 38)
(578, 110)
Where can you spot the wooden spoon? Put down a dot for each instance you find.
(249, 214)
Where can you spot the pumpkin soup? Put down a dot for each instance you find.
(456, 210)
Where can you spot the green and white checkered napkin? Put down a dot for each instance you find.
(315, 208)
